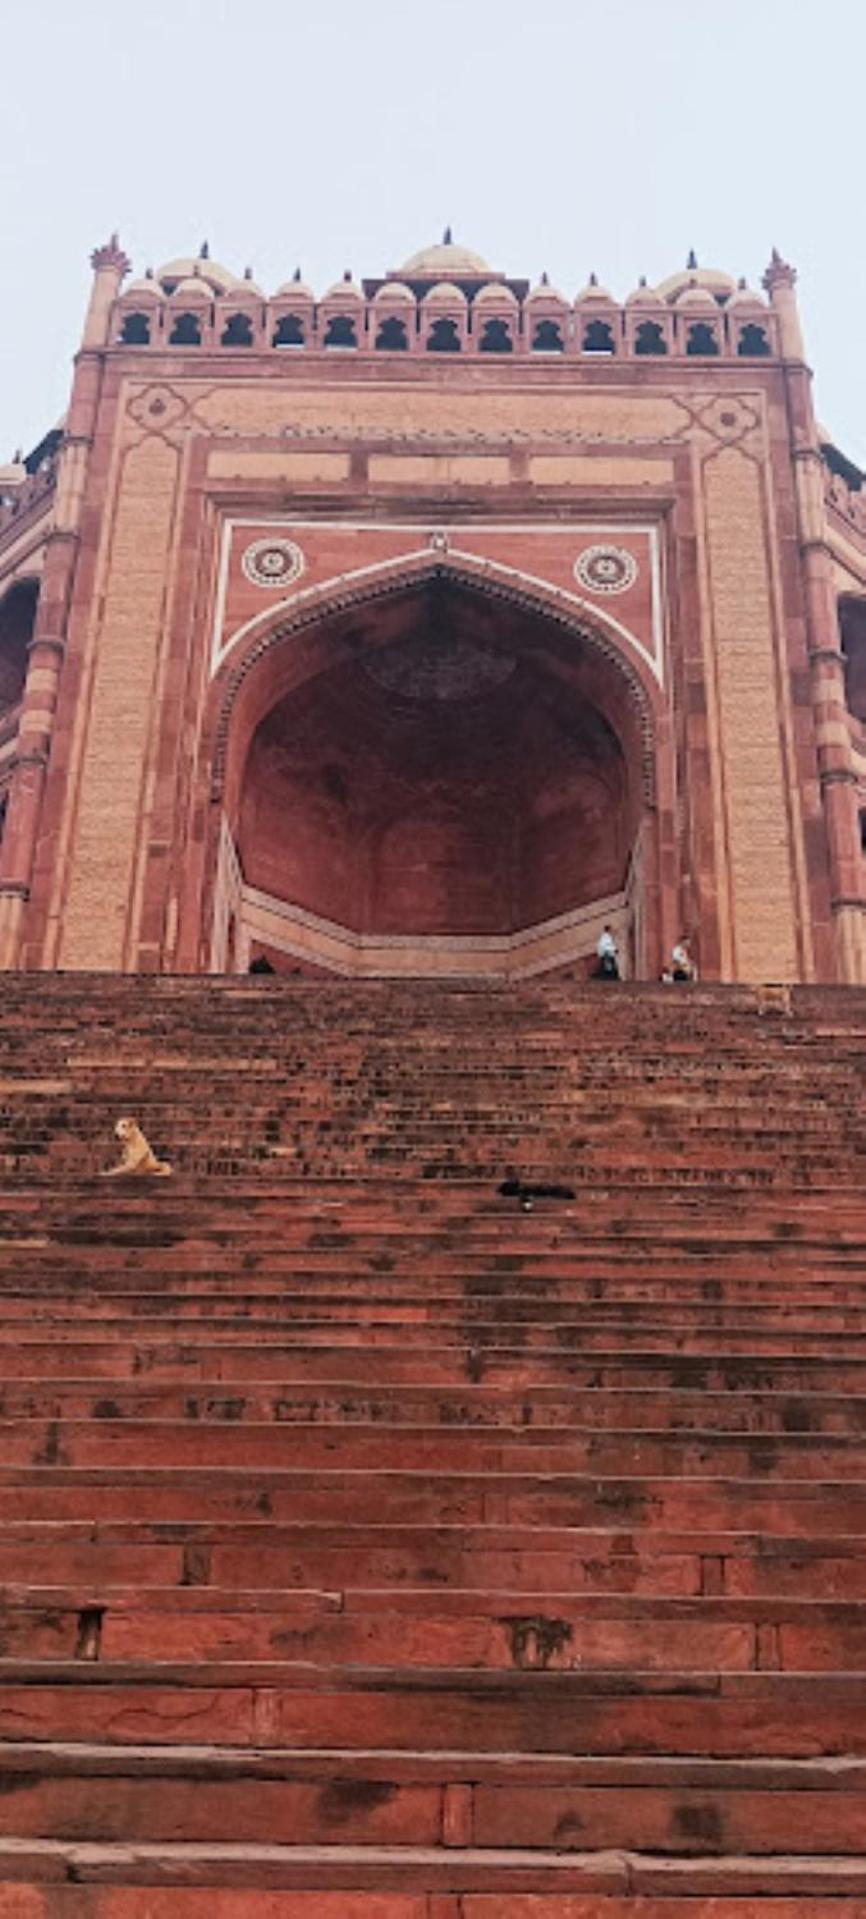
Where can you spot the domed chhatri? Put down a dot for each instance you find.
(194, 288)
(495, 294)
(719, 285)
(644, 296)
(201, 266)
(698, 298)
(594, 292)
(445, 293)
(345, 289)
(396, 292)
(446, 261)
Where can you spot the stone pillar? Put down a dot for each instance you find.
(47, 646)
(832, 735)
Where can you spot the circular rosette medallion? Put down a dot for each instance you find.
(272, 562)
(605, 569)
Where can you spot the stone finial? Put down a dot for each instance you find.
(296, 276)
(448, 238)
(593, 279)
(779, 273)
(347, 275)
(110, 255)
(248, 273)
(204, 250)
(692, 260)
(136, 1155)
(545, 279)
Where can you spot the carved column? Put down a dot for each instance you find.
(832, 734)
(47, 646)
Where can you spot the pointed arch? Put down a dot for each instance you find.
(593, 627)
(322, 627)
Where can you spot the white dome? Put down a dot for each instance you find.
(146, 288)
(193, 289)
(445, 294)
(746, 298)
(494, 295)
(396, 292)
(445, 262)
(218, 278)
(697, 299)
(346, 290)
(544, 291)
(644, 296)
(245, 289)
(592, 291)
(294, 290)
(719, 285)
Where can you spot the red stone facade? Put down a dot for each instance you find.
(425, 627)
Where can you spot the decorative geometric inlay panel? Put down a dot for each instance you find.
(272, 562)
(605, 569)
(440, 669)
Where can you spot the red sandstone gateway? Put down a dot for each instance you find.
(370, 1546)
(426, 628)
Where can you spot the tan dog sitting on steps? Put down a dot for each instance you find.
(136, 1155)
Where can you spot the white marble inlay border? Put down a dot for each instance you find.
(571, 530)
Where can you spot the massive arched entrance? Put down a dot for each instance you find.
(442, 779)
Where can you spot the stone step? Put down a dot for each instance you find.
(244, 1537)
(416, 1629)
(485, 1317)
(506, 1283)
(299, 1707)
(239, 1357)
(473, 1351)
(236, 1881)
(210, 1461)
(698, 1808)
(457, 1460)
(544, 1416)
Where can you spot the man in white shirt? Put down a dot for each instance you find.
(608, 956)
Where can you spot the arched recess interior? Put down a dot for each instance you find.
(446, 753)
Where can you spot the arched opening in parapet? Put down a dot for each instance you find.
(439, 781)
(392, 336)
(496, 337)
(547, 337)
(753, 343)
(238, 330)
(289, 331)
(135, 330)
(17, 620)
(650, 338)
(340, 331)
(186, 330)
(443, 337)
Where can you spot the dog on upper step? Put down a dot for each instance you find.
(137, 1157)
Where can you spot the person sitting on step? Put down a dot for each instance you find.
(682, 965)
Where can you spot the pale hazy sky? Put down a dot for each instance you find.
(571, 135)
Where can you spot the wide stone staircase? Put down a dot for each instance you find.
(372, 1548)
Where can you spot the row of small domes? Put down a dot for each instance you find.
(202, 278)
